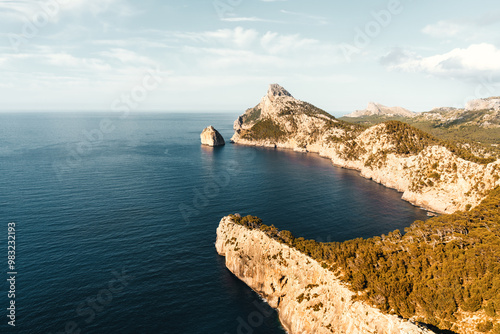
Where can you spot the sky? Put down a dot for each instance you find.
(221, 55)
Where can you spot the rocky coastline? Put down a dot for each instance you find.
(308, 297)
(433, 178)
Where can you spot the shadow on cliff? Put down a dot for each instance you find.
(437, 330)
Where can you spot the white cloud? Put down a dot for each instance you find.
(239, 37)
(137, 43)
(250, 39)
(320, 20)
(471, 62)
(241, 50)
(76, 63)
(242, 19)
(17, 9)
(215, 59)
(247, 19)
(127, 56)
(28, 10)
(96, 6)
(275, 43)
(20, 62)
(443, 29)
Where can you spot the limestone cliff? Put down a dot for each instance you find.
(429, 173)
(308, 297)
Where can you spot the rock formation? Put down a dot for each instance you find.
(393, 154)
(376, 109)
(211, 137)
(309, 298)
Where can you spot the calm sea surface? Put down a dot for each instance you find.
(116, 218)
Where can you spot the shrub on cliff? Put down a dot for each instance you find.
(248, 221)
(264, 129)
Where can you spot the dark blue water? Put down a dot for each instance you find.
(116, 219)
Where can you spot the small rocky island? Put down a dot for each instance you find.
(211, 137)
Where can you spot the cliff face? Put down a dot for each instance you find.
(309, 298)
(429, 175)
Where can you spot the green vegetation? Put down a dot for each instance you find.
(372, 120)
(482, 139)
(407, 139)
(293, 107)
(485, 326)
(316, 307)
(253, 115)
(410, 140)
(438, 268)
(465, 130)
(264, 129)
(267, 129)
(311, 110)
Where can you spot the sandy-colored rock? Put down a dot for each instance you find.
(211, 137)
(309, 298)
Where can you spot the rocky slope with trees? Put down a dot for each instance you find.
(309, 297)
(444, 272)
(440, 175)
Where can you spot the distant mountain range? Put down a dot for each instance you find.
(377, 109)
(484, 113)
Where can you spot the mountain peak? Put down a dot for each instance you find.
(276, 90)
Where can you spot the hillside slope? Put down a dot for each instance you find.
(476, 125)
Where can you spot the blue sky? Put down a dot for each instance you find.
(220, 55)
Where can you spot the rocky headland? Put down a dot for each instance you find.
(309, 297)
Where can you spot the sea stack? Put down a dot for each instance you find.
(211, 137)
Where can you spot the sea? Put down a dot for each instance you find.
(114, 218)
